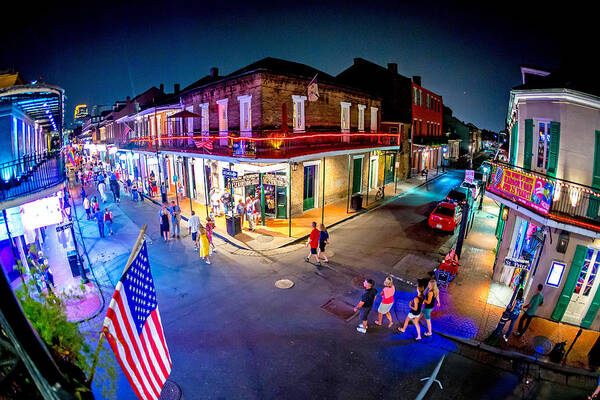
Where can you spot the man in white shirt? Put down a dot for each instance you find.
(250, 212)
(194, 227)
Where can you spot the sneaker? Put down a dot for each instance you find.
(307, 259)
(361, 329)
(208, 262)
(505, 338)
(178, 237)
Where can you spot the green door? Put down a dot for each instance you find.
(594, 202)
(528, 154)
(357, 176)
(309, 188)
(281, 202)
(390, 163)
(554, 146)
(570, 282)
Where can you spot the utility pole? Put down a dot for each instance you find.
(463, 225)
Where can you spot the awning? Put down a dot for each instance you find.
(42, 103)
(185, 114)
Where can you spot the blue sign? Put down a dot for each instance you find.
(227, 173)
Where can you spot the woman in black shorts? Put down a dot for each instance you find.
(323, 241)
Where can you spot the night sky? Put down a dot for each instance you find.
(468, 53)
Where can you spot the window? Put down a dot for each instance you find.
(345, 116)
(361, 117)
(543, 145)
(374, 119)
(415, 96)
(428, 101)
(298, 117)
(222, 109)
(204, 126)
(190, 122)
(420, 98)
(245, 114)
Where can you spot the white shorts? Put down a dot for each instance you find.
(413, 316)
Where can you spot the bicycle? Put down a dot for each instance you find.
(379, 194)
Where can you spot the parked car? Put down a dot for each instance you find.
(457, 195)
(446, 216)
(474, 187)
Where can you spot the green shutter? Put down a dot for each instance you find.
(514, 136)
(591, 312)
(554, 145)
(574, 271)
(500, 223)
(528, 154)
(596, 176)
(357, 176)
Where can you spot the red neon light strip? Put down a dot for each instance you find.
(261, 139)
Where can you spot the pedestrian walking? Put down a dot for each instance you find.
(175, 212)
(531, 308)
(164, 222)
(108, 220)
(415, 312)
(241, 211)
(323, 241)
(210, 226)
(387, 301)
(250, 212)
(102, 190)
(514, 313)
(86, 207)
(204, 245)
(82, 192)
(134, 192)
(163, 192)
(116, 189)
(100, 219)
(127, 184)
(257, 209)
(194, 227)
(313, 243)
(433, 296)
(596, 391)
(366, 304)
(95, 204)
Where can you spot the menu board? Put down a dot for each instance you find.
(529, 190)
(246, 180)
(275, 180)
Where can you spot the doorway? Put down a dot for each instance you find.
(585, 288)
(357, 175)
(373, 172)
(390, 163)
(309, 187)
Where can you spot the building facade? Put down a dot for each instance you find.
(549, 224)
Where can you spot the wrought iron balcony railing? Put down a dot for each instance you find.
(559, 199)
(265, 144)
(30, 174)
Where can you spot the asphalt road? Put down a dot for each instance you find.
(233, 335)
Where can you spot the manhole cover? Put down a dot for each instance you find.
(357, 282)
(264, 238)
(170, 391)
(284, 284)
(339, 308)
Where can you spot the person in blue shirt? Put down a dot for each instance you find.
(99, 215)
(514, 313)
(323, 241)
(175, 212)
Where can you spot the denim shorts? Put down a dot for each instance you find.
(427, 313)
(364, 313)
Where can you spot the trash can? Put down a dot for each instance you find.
(74, 263)
(234, 225)
(356, 201)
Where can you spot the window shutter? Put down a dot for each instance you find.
(567, 292)
(528, 155)
(596, 173)
(554, 145)
(513, 143)
(592, 310)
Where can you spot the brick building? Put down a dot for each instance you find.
(255, 132)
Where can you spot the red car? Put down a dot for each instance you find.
(445, 217)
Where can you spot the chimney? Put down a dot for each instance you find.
(417, 80)
(356, 61)
(176, 88)
(128, 99)
(214, 72)
(162, 87)
(393, 67)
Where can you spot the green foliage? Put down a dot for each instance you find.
(46, 312)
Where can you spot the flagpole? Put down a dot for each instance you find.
(138, 244)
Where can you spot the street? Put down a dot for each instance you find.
(233, 335)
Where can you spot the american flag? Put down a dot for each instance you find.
(207, 144)
(126, 131)
(134, 329)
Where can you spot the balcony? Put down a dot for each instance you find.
(557, 199)
(31, 174)
(266, 144)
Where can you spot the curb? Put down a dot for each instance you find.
(555, 372)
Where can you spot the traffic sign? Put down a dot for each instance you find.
(227, 173)
(64, 226)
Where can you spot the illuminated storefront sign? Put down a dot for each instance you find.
(42, 212)
(556, 273)
(534, 192)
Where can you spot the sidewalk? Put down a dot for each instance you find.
(276, 232)
(466, 313)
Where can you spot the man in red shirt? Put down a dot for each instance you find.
(313, 242)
